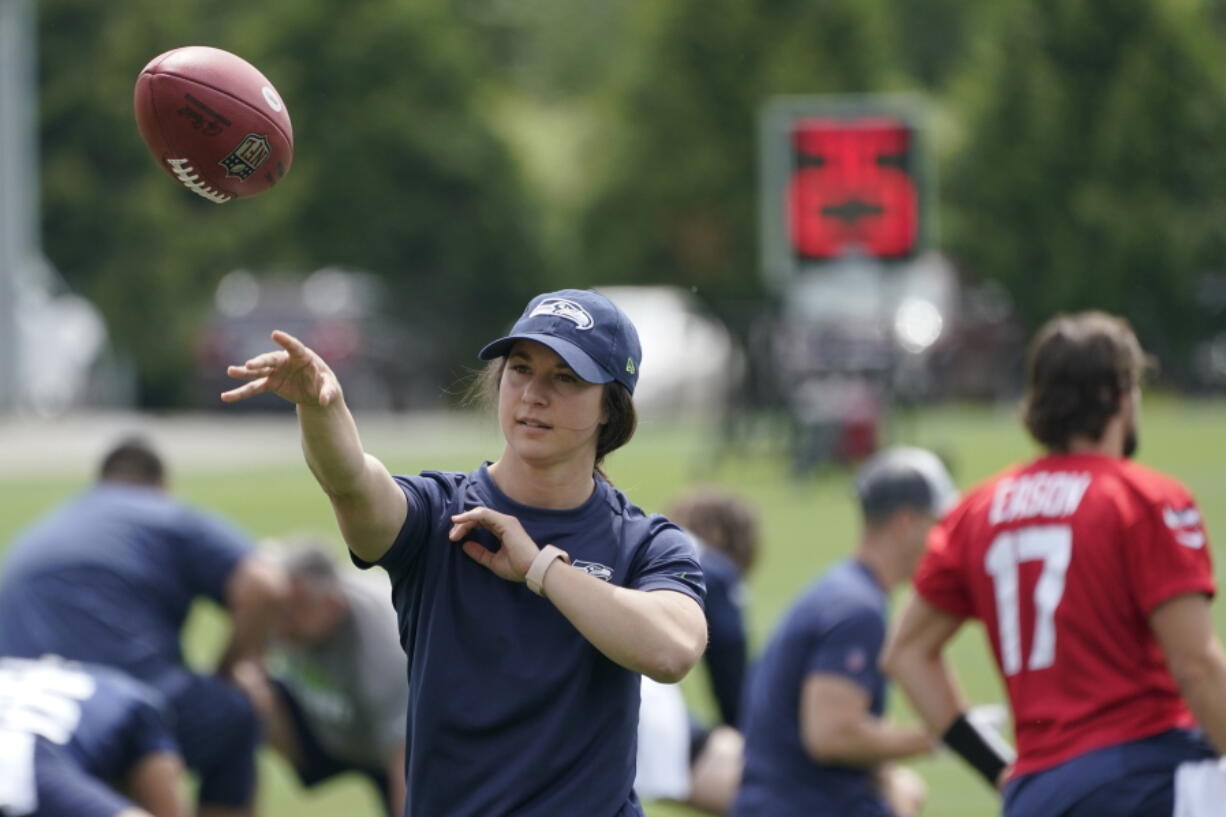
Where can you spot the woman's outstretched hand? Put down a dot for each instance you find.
(512, 560)
(293, 372)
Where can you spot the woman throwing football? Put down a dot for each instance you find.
(531, 593)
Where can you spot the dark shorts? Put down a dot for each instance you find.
(66, 790)
(318, 764)
(218, 732)
(1134, 779)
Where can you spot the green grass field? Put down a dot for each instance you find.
(807, 524)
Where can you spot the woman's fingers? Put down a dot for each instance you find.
(244, 391)
(246, 372)
(497, 563)
(496, 523)
(290, 344)
(478, 554)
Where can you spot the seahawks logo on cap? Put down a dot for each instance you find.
(563, 308)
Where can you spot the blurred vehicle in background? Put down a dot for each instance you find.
(339, 313)
(61, 343)
(980, 356)
(690, 362)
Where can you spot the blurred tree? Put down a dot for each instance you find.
(675, 169)
(473, 151)
(1090, 173)
(934, 38)
(396, 170)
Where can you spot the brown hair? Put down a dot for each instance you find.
(618, 407)
(1078, 369)
(722, 520)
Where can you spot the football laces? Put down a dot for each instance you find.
(190, 179)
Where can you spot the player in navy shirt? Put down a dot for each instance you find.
(68, 732)
(816, 740)
(726, 530)
(680, 758)
(109, 576)
(522, 700)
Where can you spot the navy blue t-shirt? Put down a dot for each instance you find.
(109, 577)
(837, 627)
(727, 650)
(103, 720)
(511, 710)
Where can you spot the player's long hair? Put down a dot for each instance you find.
(1078, 369)
(618, 406)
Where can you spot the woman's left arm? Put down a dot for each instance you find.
(659, 633)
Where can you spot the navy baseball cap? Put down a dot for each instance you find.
(905, 478)
(586, 329)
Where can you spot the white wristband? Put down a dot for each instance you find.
(535, 577)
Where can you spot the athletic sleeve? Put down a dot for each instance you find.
(668, 561)
(940, 580)
(1169, 552)
(429, 495)
(210, 549)
(850, 648)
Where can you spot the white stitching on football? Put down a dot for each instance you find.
(186, 174)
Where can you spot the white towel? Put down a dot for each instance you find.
(18, 796)
(1200, 789)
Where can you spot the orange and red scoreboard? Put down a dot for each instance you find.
(839, 176)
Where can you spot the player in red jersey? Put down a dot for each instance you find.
(1092, 577)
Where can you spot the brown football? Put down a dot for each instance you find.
(214, 122)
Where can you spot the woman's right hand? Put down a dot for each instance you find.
(293, 372)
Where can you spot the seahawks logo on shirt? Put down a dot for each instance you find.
(602, 572)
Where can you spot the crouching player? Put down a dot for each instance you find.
(79, 740)
(679, 758)
(337, 697)
(816, 739)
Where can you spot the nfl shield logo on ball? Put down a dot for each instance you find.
(247, 157)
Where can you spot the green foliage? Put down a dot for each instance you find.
(471, 152)
(675, 194)
(395, 170)
(1090, 174)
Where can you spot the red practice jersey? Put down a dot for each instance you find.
(1063, 560)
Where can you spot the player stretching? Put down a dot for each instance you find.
(1092, 577)
(72, 736)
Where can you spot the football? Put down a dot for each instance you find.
(214, 123)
